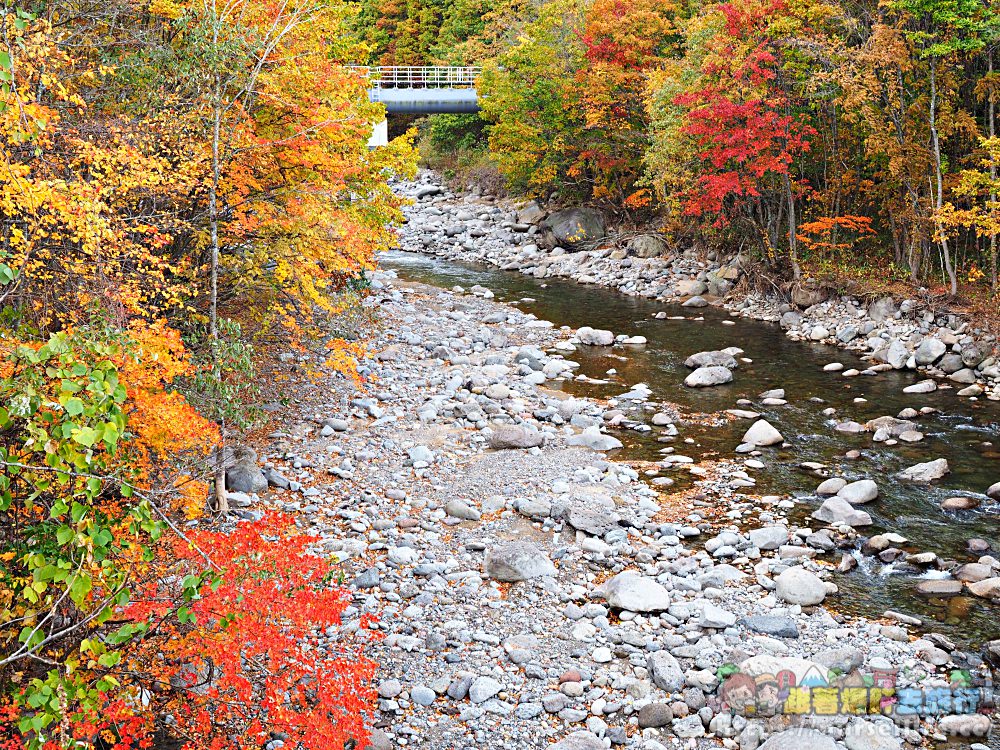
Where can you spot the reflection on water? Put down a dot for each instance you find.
(967, 433)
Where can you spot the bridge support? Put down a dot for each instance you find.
(380, 135)
(420, 91)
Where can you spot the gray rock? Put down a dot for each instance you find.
(422, 695)
(696, 301)
(572, 228)
(762, 433)
(965, 376)
(594, 521)
(774, 625)
(713, 616)
(706, 377)
(515, 436)
(924, 386)
(483, 688)
(578, 741)
(459, 509)
(798, 586)
(882, 309)
(831, 486)
(634, 592)
(711, 359)
(939, 587)
(929, 351)
(654, 715)
(844, 659)
(593, 438)
(993, 491)
(242, 472)
(836, 510)
(799, 739)
(665, 671)
(769, 537)
(926, 472)
(595, 336)
(518, 561)
(647, 246)
(860, 492)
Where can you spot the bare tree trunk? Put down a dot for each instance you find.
(936, 143)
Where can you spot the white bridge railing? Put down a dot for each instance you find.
(421, 77)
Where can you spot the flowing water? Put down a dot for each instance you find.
(965, 432)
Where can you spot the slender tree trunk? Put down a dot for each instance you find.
(793, 255)
(213, 212)
(936, 143)
(993, 182)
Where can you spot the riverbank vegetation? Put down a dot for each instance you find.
(856, 139)
(184, 186)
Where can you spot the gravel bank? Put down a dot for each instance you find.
(532, 590)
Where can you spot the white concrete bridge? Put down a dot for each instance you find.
(420, 90)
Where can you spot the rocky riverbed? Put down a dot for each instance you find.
(531, 589)
(893, 334)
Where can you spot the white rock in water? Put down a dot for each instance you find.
(837, 511)
(762, 432)
(705, 377)
(860, 492)
(634, 592)
(595, 336)
(831, 486)
(927, 471)
(634, 340)
(799, 586)
(924, 386)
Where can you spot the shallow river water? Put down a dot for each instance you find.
(965, 432)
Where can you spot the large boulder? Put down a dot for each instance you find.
(242, 472)
(634, 592)
(518, 561)
(927, 471)
(573, 228)
(804, 295)
(647, 246)
(705, 377)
